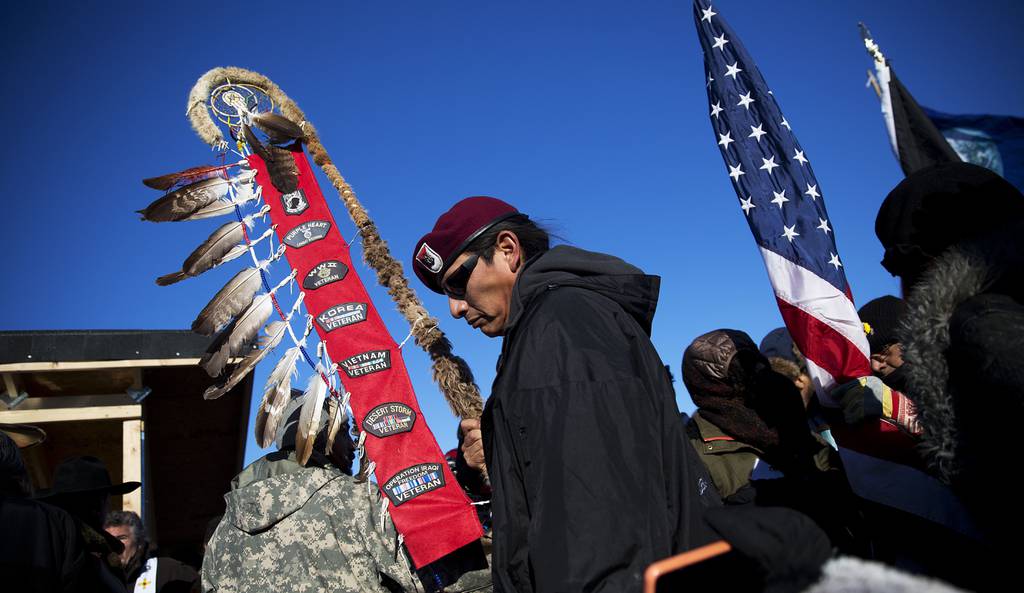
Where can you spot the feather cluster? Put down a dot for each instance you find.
(237, 335)
(275, 332)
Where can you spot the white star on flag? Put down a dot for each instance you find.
(812, 191)
(785, 124)
(710, 79)
(733, 70)
(725, 139)
(789, 232)
(799, 156)
(716, 109)
(780, 198)
(824, 225)
(707, 14)
(835, 260)
(768, 165)
(745, 101)
(747, 204)
(736, 171)
(720, 42)
(757, 132)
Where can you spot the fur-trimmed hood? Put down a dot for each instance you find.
(992, 264)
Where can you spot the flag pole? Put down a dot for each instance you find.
(451, 372)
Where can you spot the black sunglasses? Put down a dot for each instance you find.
(455, 285)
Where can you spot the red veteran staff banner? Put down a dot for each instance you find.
(427, 505)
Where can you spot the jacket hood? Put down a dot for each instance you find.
(990, 264)
(626, 284)
(271, 489)
(707, 360)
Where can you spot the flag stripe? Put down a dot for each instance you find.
(831, 351)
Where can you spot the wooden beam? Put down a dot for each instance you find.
(88, 365)
(20, 416)
(75, 401)
(131, 463)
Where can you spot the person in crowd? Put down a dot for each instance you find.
(82, 487)
(954, 235)
(144, 571)
(41, 550)
(581, 434)
(751, 431)
(289, 527)
(881, 319)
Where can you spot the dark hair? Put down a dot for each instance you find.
(128, 519)
(532, 237)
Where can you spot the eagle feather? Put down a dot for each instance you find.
(237, 335)
(278, 128)
(228, 302)
(309, 418)
(186, 201)
(218, 248)
(275, 332)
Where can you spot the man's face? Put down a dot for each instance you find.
(486, 298)
(887, 361)
(124, 534)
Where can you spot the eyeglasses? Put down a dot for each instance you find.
(455, 285)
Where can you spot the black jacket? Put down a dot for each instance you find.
(593, 477)
(963, 343)
(41, 549)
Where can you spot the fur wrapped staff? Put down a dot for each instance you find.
(450, 372)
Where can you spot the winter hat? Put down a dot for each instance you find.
(779, 344)
(453, 232)
(881, 317)
(940, 206)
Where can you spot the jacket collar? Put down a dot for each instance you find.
(961, 272)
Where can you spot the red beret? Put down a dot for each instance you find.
(453, 232)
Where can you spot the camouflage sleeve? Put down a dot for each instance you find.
(208, 572)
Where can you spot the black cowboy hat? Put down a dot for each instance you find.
(24, 435)
(84, 474)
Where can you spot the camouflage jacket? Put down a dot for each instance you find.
(296, 529)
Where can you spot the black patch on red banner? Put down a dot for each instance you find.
(413, 481)
(324, 273)
(389, 419)
(367, 363)
(295, 203)
(306, 233)
(341, 315)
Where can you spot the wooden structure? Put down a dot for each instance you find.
(134, 400)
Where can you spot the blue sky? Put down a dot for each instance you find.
(590, 116)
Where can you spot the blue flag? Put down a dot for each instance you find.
(995, 142)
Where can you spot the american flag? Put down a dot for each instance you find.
(783, 204)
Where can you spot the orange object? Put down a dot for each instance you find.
(673, 563)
